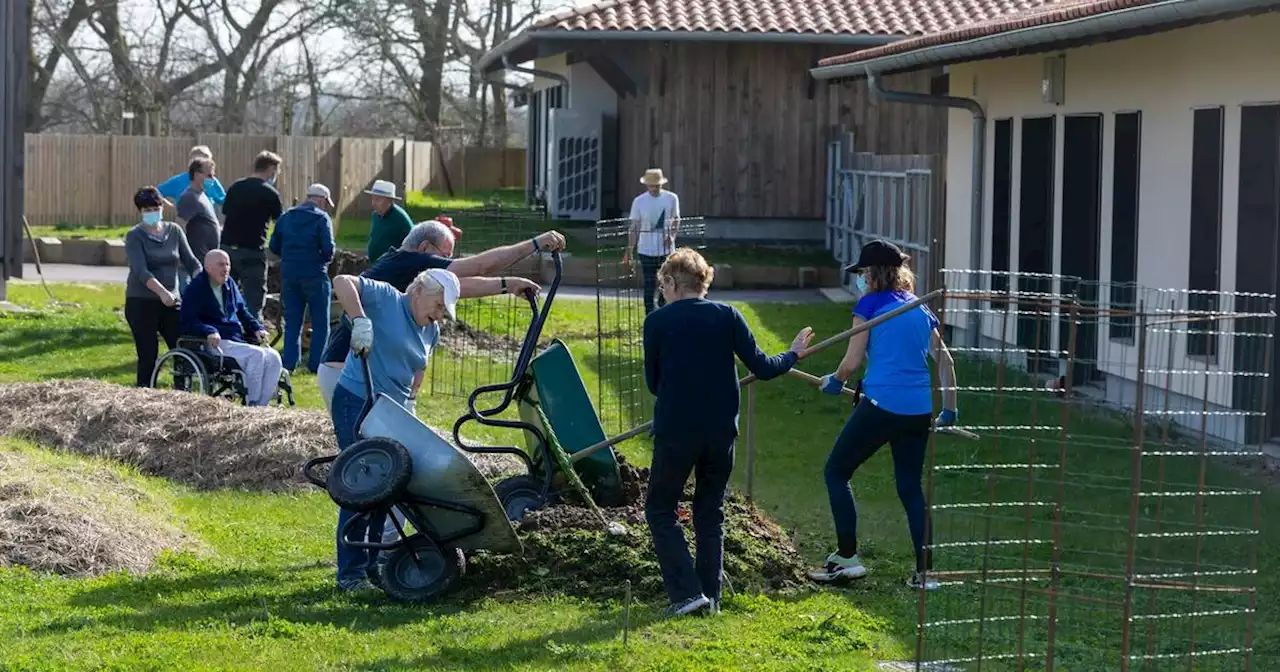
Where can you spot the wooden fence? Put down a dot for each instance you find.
(89, 180)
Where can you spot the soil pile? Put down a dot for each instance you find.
(77, 519)
(567, 551)
(194, 439)
(345, 262)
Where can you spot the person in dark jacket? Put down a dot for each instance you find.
(155, 249)
(689, 349)
(303, 239)
(251, 205)
(214, 309)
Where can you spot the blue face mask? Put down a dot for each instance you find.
(272, 181)
(861, 283)
(151, 219)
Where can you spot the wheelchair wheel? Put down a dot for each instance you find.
(178, 369)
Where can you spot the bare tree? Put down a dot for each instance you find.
(244, 48)
(409, 39)
(53, 24)
(487, 26)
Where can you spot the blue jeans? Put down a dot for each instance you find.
(869, 428)
(298, 297)
(711, 461)
(353, 563)
(649, 272)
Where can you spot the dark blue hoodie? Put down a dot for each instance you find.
(303, 239)
(201, 314)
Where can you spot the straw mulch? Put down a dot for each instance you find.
(203, 442)
(81, 520)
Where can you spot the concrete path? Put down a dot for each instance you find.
(74, 273)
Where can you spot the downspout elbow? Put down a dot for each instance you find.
(564, 81)
(911, 97)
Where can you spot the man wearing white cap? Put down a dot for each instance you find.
(655, 217)
(396, 333)
(303, 239)
(390, 222)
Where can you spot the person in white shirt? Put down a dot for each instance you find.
(655, 218)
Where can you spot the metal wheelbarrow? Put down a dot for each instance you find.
(400, 464)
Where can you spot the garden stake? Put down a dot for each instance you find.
(626, 616)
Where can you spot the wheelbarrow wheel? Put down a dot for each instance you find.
(420, 570)
(370, 473)
(519, 495)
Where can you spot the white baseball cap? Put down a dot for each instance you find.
(451, 289)
(318, 189)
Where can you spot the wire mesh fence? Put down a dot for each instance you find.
(481, 345)
(1107, 519)
(623, 399)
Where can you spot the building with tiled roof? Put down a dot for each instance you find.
(1122, 142)
(716, 93)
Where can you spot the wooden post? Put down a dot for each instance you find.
(112, 187)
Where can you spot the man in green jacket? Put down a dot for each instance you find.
(390, 222)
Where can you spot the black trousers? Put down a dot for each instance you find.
(711, 462)
(147, 318)
(249, 270)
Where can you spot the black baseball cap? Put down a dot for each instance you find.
(877, 253)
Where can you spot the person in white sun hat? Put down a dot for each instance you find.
(396, 332)
(390, 222)
(655, 218)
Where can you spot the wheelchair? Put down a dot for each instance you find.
(189, 367)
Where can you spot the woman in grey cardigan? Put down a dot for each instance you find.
(155, 248)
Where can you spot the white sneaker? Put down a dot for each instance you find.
(688, 606)
(918, 581)
(839, 568)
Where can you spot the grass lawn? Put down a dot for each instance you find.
(483, 230)
(261, 597)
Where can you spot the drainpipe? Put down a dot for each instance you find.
(975, 195)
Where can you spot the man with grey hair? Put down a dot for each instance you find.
(430, 245)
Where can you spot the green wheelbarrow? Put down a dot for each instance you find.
(557, 420)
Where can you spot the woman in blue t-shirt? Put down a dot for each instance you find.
(896, 405)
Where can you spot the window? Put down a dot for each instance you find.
(1206, 228)
(1001, 203)
(1124, 222)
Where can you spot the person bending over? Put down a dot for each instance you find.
(430, 245)
(214, 309)
(689, 349)
(896, 406)
(405, 328)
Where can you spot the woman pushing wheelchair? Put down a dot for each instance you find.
(896, 406)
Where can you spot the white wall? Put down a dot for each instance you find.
(1166, 76)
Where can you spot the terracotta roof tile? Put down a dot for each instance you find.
(820, 17)
(1047, 13)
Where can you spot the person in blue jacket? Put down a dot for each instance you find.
(173, 187)
(896, 407)
(214, 309)
(690, 345)
(303, 239)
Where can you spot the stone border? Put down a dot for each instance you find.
(577, 270)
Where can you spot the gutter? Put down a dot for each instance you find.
(1152, 15)
(564, 81)
(853, 40)
(976, 237)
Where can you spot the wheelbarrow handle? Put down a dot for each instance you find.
(308, 469)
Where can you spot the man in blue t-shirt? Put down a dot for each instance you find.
(430, 245)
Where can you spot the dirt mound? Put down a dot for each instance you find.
(568, 552)
(345, 262)
(463, 339)
(77, 519)
(193, 439)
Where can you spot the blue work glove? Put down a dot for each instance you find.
(947, 418)
(831, 384)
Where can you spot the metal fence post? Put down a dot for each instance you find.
(751, 442)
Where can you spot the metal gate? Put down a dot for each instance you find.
(895, 198)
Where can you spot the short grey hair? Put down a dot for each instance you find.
(201, 152)
(430, 231)
(425, 284)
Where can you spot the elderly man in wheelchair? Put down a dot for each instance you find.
(218, 352)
